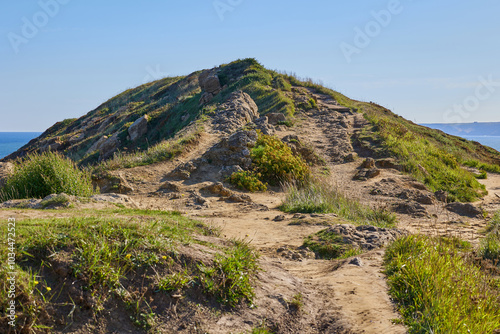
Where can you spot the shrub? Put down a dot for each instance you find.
(40, 175)
(439, 289)
(275, 161)
(328, 245)
(247, 180)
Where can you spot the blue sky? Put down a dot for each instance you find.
(428, 61)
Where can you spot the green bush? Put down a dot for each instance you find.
(275, 161)
(247, 180)
(40, 175)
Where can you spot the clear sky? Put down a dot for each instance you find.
(428, 61)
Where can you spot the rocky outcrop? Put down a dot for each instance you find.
(465, 209)
(411, 208)
(366, 237)
(276, 118)
(6, 169)
(234, 150)
(139, 128)
(236, 112)
(210, 85)
(306, 151)
(106, 146)
(109, 183)
(183, 171)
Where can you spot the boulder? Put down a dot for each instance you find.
(368, 163)
(366, 173)
(233, 150)
(276, 118)
(217, 189)
(263, 125)
(109, 183)
(139, 128)
(209, 82)
(183, 171)
(106, 146)
(465, 209)
(206, 98)
(351, 157)
(170, 186)
(237, 111)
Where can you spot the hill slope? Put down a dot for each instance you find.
(140, 118)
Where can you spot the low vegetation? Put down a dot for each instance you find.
(39, 175)
(320, 196)
(101, 262)
(273, 162)
(438, 287)
(489, 248)
(328, 245)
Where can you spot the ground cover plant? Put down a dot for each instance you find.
(111, 259)
(439, 288)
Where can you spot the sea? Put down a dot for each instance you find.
(491, 141)
(12, 141)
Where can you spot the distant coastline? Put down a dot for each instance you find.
(12, 141)
(487, 133)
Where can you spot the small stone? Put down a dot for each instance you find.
(356, 261)
(279, 218)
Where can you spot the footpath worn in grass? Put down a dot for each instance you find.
(439, 289)
(111, 257)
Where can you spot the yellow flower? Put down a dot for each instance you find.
(164, 257)
(48, 288)
(36, 282)
(128, 256)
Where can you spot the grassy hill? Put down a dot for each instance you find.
(176, 118)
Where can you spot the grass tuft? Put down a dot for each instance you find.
(438, 289)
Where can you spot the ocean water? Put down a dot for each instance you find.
(12, 141)
(491, 141)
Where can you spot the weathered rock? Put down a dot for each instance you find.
(306, 151)
(114, 198)
(170, 186)
(77, 138)
(279, 218)
(97, 145)
(183, 171)
(109, 183)
(465, 209)
(55, 201)
(209, 82)
(276, 118)
(206, 98)
(388, 163)
(217, 189)
(411, 208)
(199, 200)
(227, 171)
(236, 112)
(6, 169)
(351, 157)
(366, 173)
(106, 146)
(424, 199)
(234, 150)
(263, 125)
(368, 163)
(239, 198)
(139, 128)
(356, 261)
(366, 237)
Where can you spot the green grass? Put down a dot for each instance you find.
(320, 196)
(489, 248)
(162, 151)
(483, 166)
(39, 175)
(438, 289)
(116, 253)
(431, 156)
(328, 246)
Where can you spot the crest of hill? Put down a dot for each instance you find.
(174, 111)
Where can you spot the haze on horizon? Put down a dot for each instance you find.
(430, 62)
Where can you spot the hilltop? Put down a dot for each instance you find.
(239, 199)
